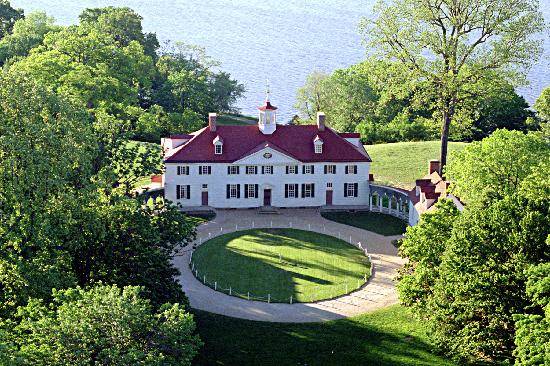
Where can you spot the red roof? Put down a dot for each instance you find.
(181, 136)
(350, 134)
(267, 106)
(292, 140)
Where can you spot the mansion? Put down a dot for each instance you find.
(271, 165)
(266, 164)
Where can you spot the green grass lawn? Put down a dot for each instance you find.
(371, 221)
(283, 263)
(235, 119)
(400, 164)
(388, 337)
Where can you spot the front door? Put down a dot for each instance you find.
(329, 198)
(205, 198)
(267, 197)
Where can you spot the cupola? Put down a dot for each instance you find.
(267, 122)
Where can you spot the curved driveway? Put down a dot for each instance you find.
(377, 293)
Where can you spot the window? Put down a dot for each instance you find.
(330, 169)
(268, 169)
(351, 169)
(205, 170)
(218, 149)
(291, 191)
(350, 189)
(183, 170)
(233, 169)
(329, 185)
(233, 191)
(308, 169)
(251, 169)
(318, 148)
(291, 169)
(205, 186)
(250, 191)
(308, 190)
(183, 192)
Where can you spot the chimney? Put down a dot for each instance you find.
(321, 121)
(212, 121)
(433, 166)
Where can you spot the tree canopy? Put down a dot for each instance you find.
(466, 274)
(103, 325)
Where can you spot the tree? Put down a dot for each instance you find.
(451, 43)
(46, 150)
(309, 98)
(542, 105)
(123, 24)
(465, 277)
(103, 325)
(27, 33)
(495, 166)
(8, 17)
(533, 329)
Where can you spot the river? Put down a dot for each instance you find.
(278, 40)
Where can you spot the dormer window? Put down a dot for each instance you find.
(218, 145)
(318, 145)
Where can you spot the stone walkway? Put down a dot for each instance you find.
(377, 293)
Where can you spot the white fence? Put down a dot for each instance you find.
(319, 292)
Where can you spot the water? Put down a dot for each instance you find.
(279, 40)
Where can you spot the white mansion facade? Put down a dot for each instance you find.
(266, 165)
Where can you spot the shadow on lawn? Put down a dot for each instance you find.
(259, 271)
(374, 339)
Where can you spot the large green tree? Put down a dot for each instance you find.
(104, 325)
(494, 167)
(451, 43)
(46, 151)
(465, 274)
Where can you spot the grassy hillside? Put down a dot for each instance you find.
(235, 119)
(389, 336)
(399, 164)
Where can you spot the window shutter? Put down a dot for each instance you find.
(179, 170)
(228, 190)
(246, 191)
(238, 170)
(255, 170)
(200, 170)
(238, 191)
(347, 169)
(296, 194)
(313, 169)
(312, 189)
(255, 191)
(287, 167)
(303, 190)
(178, 193)
(286, 190)
(346, 187)
(188, 191)
(356, 186)
(228, 170)
(325, 169)
(263, 169)
(296, 170)
(303, 169)
(209, 169)
(355, 169)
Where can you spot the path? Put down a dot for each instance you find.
(379, 292)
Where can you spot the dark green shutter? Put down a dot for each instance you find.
(246, 191)
(228, 191)
(313, 169)
(345, 188)
(356, 185)
(238, 191)
(255, 191)
(296, 193)
(347, 169)
(303, 190)
(178, 193)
